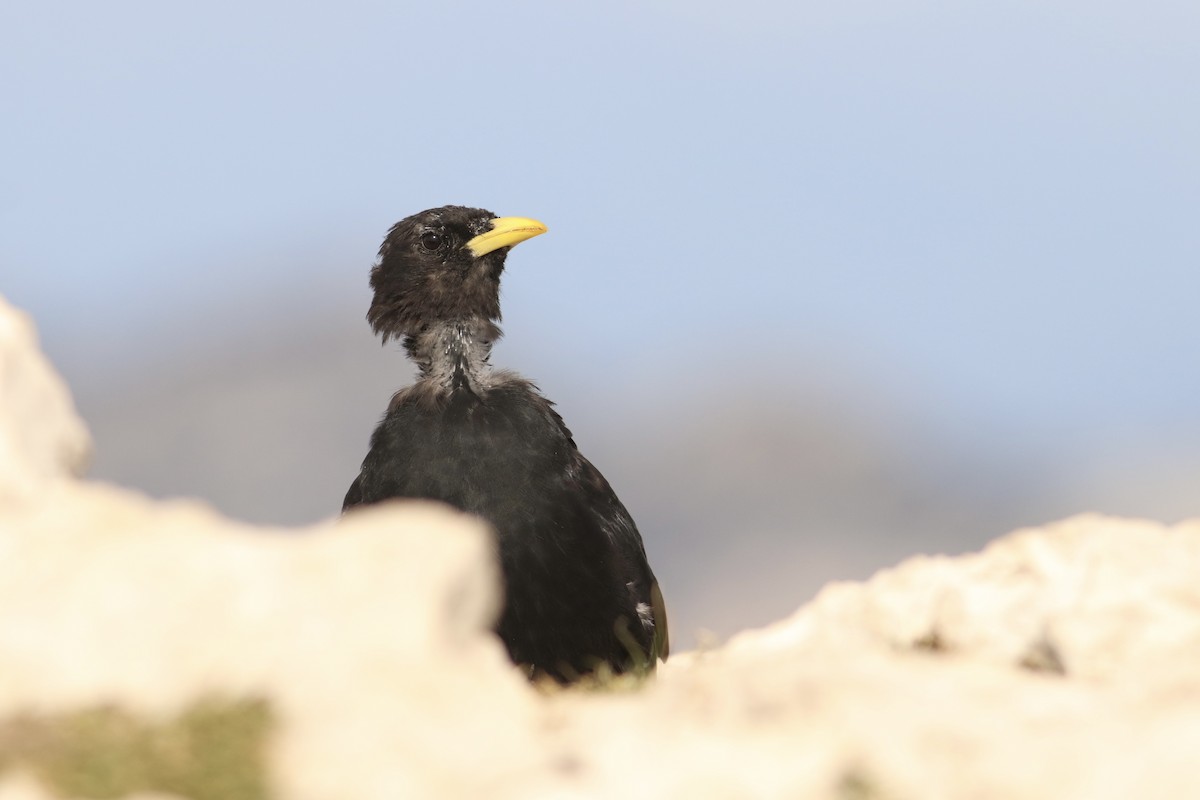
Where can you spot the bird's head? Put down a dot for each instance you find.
(443, 264)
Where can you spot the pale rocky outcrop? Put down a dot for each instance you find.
(1060, 662)
(42, 439)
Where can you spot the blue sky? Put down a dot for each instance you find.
(990, 210)
(825, 284)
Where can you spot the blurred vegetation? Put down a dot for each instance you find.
(214, 750)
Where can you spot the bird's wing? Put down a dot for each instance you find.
(611, 517)
(354, 495)
(662, 638)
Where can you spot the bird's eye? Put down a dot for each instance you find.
(431, 241)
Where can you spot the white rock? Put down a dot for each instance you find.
(21, 785)
(1058, 663)
(42, 439)
(986, 713)
(1094, 594)
(362, 635)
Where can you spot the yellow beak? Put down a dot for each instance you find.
(505, 232)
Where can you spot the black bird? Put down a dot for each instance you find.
(578, 590)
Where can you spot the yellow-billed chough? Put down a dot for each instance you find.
(578, 589)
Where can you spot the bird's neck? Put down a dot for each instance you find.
(454, 353)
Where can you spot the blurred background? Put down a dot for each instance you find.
(826, 284)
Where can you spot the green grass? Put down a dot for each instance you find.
(214, 750)
(601, 679)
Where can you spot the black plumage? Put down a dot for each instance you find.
(578, 589)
